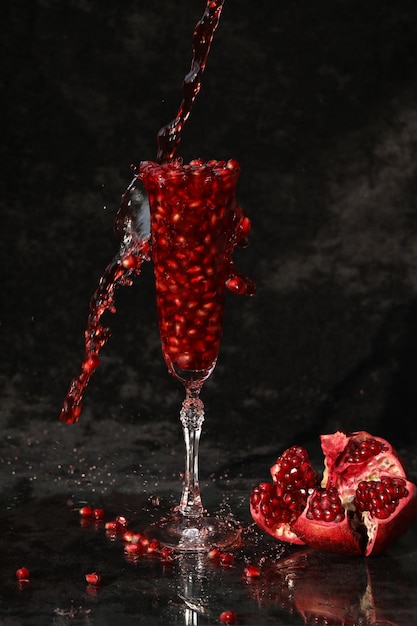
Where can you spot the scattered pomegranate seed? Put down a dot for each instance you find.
(144, 542)
(131, 262)
(22, 573)
(93, 579)
(154, 546)
(227, 559)
(98, 514)
(133, 548)
(128, 536)
(86, 511)
(237, 284)
(251, 571)
(121, 521)
(228, 617)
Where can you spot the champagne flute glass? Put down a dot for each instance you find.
(195, 225)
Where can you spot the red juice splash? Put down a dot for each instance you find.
(169, 136)
(133, 227)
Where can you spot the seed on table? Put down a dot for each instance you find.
(93, 579)
(228, 617)
(22, 573)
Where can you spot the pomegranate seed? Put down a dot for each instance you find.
(245, 227)
(153, 546)
(144, 542)
(237, 284)
(132, 262)
(98, 514)
(22, 573)
(93, 579)
(251, 571)
(166, 554)
(86, 511)
(128, 536)
(133, 548)
(228, 617)
(121, 521)
(227, 559)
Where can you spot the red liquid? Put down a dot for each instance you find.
(169, 136)
(195, 226)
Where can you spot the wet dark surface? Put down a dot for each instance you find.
(318, 105)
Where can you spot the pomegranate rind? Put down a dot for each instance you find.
(383, 533)
(336, 537)
(346, 475)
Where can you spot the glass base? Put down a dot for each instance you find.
(199, 534)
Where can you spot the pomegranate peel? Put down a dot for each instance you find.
(350, 458)
(364, 503)
(331, 534)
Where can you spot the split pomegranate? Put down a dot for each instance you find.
(364, 502)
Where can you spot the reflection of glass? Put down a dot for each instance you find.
(195, 225)
(193, 577)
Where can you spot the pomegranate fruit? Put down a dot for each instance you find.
(363, 504)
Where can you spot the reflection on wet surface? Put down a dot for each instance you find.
(295, 585)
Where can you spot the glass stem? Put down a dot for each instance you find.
(192, 417)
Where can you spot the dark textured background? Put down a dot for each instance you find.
(317, 102)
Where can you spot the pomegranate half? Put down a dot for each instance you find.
(363, 504)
